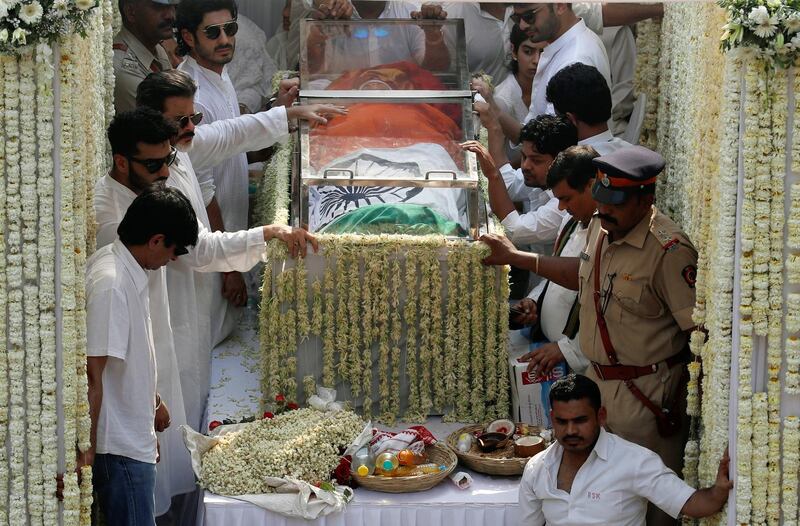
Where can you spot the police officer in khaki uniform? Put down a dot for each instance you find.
(137, 47)
(636, 279)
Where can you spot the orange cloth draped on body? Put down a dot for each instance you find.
(387, 125)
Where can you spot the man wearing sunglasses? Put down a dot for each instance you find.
(137, 46)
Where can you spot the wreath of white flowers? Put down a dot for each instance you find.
(30, 22)
(770, 30)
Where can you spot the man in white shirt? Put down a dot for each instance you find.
(580, 93)
(568, 41)
(620, 44)
(542, 139)
(124, 404)
(590, 476)
(137, 46)
(207, 33)
(252, 67)
(552, 308)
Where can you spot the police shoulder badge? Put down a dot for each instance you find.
(689, 274)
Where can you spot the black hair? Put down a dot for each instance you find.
(159, 210)
(575, 387)
(146, 125)
(582, 90)
(190, 14)
(550, 134)
(156, 88)
(516, 38)
(573, 165)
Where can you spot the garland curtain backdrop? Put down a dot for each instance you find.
(726, 122)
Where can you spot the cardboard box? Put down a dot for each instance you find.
(529, 395)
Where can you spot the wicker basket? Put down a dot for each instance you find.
(437, 453)
(499, 462)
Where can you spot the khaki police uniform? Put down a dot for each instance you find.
(648, 276)
(132, 63)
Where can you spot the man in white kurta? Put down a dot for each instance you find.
(252, 67)
(207, 63)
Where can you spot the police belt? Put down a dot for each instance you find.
(630, 372)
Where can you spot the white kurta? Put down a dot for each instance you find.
(508, 96)
(252, 67)
(488, 47)
(578, 44)
(216, 98)
(557, 304)
(621, 49)
(214, 252)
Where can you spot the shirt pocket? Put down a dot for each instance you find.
(600, 507)
(635, 299)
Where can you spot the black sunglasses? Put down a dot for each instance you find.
(183, 120)
(180, 250)
(154, 165)
(528, 16)
(213, 32)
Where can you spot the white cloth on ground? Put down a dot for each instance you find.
(578, 44)
(611, 488)
(118, 327)
(558, 302)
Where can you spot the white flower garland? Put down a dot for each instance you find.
(760, 461)
(302, 444)
(347, 347)
(648, 38)
(30, 23)
(791, 469)
(3, 293)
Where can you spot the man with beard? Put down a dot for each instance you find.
(206, 33)
(590, 476)
(137, 48)
(636, 280)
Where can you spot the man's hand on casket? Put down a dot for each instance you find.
(287, 92)
(296, 239)
(429, 11)
(314, 112)
(484, 159)
(332, 9)
(503, 250)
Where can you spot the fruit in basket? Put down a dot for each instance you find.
(503, 426)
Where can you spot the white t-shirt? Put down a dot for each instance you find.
(612, 487)
(578, 44)
(118, 326)
(508, 96)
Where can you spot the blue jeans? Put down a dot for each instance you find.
(125, 490)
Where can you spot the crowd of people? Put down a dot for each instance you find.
(611, 287)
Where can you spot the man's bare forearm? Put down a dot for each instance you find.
(510, 125)
(497, 145)
(501, 203)
(561, 271)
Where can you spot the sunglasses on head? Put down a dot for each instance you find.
(154, 165)
(213, 32)
(528, 16)
(183, 120)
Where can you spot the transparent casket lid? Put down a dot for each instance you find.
(330, 49)
(392, 143)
